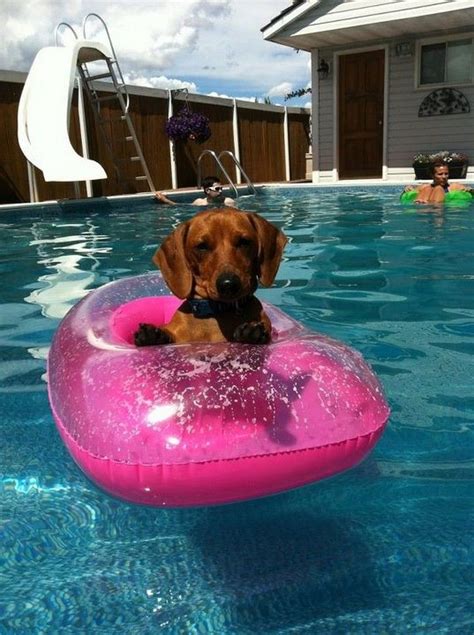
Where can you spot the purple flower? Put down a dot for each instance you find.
(188, 125)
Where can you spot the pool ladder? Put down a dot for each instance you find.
(217, 159)
(121, 94)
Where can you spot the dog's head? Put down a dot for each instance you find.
(220, 255)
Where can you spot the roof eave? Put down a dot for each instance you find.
(310, 38)
(286, 17)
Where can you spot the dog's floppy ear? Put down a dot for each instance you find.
(271, 242)
(171, 259)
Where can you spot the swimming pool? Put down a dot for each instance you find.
(385, 547)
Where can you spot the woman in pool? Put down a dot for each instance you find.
(435, 191)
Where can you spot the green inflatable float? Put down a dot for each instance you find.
(459, 198)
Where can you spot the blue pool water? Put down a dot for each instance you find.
(384, 548)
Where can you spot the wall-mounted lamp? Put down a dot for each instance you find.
(323, 69)
(404, 49)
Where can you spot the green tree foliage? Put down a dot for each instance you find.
(298, 93)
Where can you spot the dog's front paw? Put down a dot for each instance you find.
(251, 333)
(149, 335)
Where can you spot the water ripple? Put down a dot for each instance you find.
(384, 548)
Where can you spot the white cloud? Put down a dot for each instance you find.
(281, 90)
(166, 83)
(240, 98)
(214, 94)
(204, 45)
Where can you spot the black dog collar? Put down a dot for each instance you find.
(204, 308)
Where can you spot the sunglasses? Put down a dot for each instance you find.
(216, 188)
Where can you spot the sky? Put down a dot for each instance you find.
(210, 47)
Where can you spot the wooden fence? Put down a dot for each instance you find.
(259, 134)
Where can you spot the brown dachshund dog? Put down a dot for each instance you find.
(215, 261)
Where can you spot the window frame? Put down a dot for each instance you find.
(442, 40)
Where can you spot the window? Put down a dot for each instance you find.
(447, 62)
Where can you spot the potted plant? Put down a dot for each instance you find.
(422, 166)
(456, 161)
(188, 125)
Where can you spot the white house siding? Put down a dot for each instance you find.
(332, 12)
(324, 133)
(407, 133)
(327, 122)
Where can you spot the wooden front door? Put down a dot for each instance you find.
(361, 101)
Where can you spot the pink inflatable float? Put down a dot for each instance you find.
(204, 424)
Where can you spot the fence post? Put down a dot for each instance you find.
(83, 130)
(286, 142)
(235, 131)
(32, 184)
(174, 172)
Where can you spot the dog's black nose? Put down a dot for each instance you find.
(228, 285)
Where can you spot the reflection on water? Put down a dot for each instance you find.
(64, 287)
(348, 274)
(74, 274)
(383, 548)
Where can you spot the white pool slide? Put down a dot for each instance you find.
(44, 111)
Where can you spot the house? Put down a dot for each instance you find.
(390, 78)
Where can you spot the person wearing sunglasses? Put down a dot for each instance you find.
(214, 193)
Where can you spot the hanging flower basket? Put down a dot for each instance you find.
(188, 125)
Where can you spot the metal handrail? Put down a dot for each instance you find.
(114, 60)
(250, 185)
(56, 31)
(224, 171)
(217, 159)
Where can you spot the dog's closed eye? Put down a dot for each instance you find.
(244, 242)
(202, 247)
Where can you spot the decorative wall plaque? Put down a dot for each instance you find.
(444, 101)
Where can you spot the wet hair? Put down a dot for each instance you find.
(438, 164)
(209, 182)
